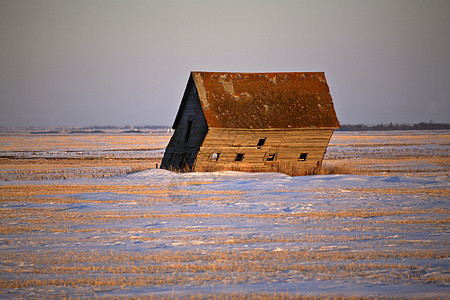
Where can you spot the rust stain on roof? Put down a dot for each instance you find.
(265, 100)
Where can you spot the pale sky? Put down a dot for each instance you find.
(111, 62)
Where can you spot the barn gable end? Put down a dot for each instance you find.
(190, 130)
(251, 121)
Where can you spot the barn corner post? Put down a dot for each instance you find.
(252, 122)
(189, 130)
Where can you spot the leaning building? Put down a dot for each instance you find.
(251, 122)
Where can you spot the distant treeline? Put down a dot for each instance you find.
(391, 126)
(111, 127)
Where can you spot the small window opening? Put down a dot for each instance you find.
(214, 157)
(271, 157)
(261, 142)
(188, 131)
(303, 156)
(239, 157)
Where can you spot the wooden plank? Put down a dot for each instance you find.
(287, 144)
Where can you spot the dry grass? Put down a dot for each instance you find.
(75, 142)
(325, 169)
(199, 267)
(57, 169)
(368, 252)
(412, 154)
(67, 156)
(290, 169)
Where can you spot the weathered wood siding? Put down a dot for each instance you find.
(185, 143)
(284, 146)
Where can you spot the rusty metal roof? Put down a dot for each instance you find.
(265, 100)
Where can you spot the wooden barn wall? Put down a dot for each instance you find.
(285, 144)
(182, 151)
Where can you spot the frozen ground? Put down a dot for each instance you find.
(166, 234)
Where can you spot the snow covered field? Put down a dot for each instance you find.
(154, 232)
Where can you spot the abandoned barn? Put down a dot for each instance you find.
(251, 122)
